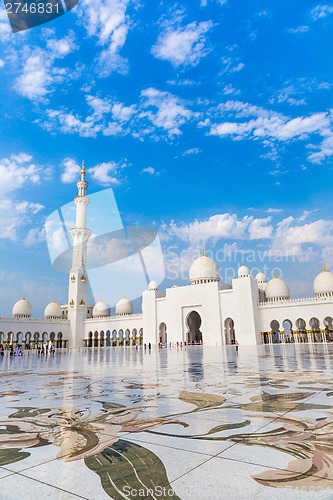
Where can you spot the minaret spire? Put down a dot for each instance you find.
(83, 171)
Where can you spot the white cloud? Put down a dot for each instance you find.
(105, 173)
(299, 29)
(15, 216)
(183, 45)
(222, 226)
(34, 237)
(17, 171)
(5, 30)
(122, 113)
(192, 151)
(71, 170)
(321, 11)
(150, 171)
(269, 125)
(231, 65)
(230, 89)
(107, 20)
(170, 113)
(39, 74)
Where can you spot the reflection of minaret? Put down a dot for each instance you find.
(78, 281)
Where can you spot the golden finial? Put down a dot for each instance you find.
(275, 275)
(203, 252)
(83, 170)
(325, 269)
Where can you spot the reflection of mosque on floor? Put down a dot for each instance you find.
(250, 310)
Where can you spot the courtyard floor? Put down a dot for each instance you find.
(189, 423)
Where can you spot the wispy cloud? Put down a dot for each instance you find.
(109, 23)
(183, 45)
(39, 73)
(321, 11)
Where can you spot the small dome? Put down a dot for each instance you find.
(323, 283)
(277, 289)
(152, 285)
(204, 270)
(53, 310)
(261, 278)
(100, 310)
(243, 271)
(22, 309)
(124, 307)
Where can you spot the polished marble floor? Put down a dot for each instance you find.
(189, 423)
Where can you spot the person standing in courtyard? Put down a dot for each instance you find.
(236, 344)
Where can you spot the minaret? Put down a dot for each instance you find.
(78, 279)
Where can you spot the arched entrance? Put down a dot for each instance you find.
(59, 340)
(301, 330)
(96, 339)
(162, 332)
(328, 323)
(287, 331)
(108, 338)
(193, 321)
(27, 340)
(90, 341)
(315, 329)
(275, 330)
(229, 331)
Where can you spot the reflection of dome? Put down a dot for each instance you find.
(261, 278)
(22, 309)
(100, 310)
(152, 285)
(124, 307)
(277, 289)
(323, 283)
(53, 310)
(204, 270)
(243, 271)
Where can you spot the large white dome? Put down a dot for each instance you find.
(100, 310)
(204, 270)
(323, 283)
(243, 271)
(124, 307)
(277, 289)
(53, 310)
(22, 309)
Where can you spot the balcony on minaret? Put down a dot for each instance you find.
(73, 279)
(82, 302)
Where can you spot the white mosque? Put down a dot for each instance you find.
(249, 311)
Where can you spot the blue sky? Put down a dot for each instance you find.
(211, 120)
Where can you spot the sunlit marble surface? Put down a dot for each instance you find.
(190, 423)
